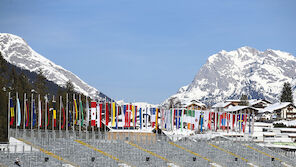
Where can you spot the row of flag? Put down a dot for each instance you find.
(207, 120)
(38, 113)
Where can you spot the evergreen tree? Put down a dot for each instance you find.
(244, 100)
(69, 87)
(40, 84)
(287, 95)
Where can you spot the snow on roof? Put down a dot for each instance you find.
(188, 102)
(276, 106)
(251, 101)
(237, 108)
(287, 123)
(221, 104)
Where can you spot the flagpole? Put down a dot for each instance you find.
(24, 125)
(105, 114)
(67, 110)
(60, 115)
(79, 114)
(8, 121)
(16, 115)
(52, 120)
(73, 115)
(46, 113)
(32, 114)
(39, 115)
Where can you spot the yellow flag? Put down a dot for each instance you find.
(113, 117)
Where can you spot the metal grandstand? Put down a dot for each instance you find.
(60, 148)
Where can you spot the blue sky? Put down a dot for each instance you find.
(140, 50)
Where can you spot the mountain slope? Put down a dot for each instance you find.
(17, 52)
(245, 70)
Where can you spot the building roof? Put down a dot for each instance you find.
(221, 105)
(276, 106)
(188, 102)
(237, 108)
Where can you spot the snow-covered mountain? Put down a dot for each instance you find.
(228, 75)
(16, 51)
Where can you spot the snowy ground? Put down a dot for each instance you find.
(16, 146)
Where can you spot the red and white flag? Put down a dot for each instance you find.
(98, 115)
(93, 113)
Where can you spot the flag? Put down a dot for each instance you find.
(192, 119)
(98, 115)
(93, 105)
(76, 112)
(64, 115)
(27, 112)
(11, 112)
(153, 117)
(47, 110)
(156, 118)
(117, 114)
(136, 110)
(39, 113)
(189, 119)
(107, 114)
(206, 120)
(182, 119)
(133, 114)
(113, 114)
(81, 112)
(19, 115)
(210, 120)
(245, 122)
(87, 112)
(125, 117)
(201, 121)
(101, 107)
(34, 113)
(196, 119)
(54, 113)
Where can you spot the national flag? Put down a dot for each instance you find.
(54, 113)
(19, 115)
(136, 110)
(113, 114)
(192, 119)
(11, 112)
(48, 114)
(93, 105)
(107, 114)
(98, 115)
(153, 117)
(101, 108)
(133, 114)
(201, 122)
(39, 113)
(64, 115)
(156, 118)
(87, 112)
(81, 112)
(27, 112)
(210, 120)
(34, 113)
(76, 112)
(245, 122)
(124, 113)
(196, 118)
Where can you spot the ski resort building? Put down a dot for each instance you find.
(194, 105)
(285, 110)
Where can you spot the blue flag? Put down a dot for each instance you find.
(34, 115)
